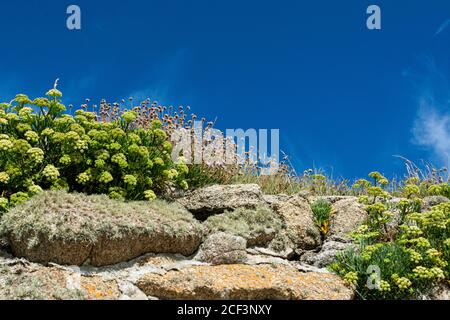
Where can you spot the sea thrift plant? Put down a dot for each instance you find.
(43, 147)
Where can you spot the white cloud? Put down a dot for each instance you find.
(432, 131)
(443, 27)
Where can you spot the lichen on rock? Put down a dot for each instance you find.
(244, 282)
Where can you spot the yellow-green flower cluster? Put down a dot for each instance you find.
(65, 160)
(130, 180)
(54, 93)
(129, 116)
(149, 195)
(36, 155)
(50, 172)
(447, 242)
(402, 283)
(120, 159)
(378, 178)
(105, 177)
(3, 203)
(368, 251)
(34, 189)
(31, 136)
(411, 190)
(171, 174)
(419, 242)
(6, 145)
(351, 277)
(385, 286)
(84, 177)
(429, 273)
(41, 147)
(415, 255)
(4, 177)
(18, 198)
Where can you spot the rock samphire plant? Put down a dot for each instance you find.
(397, 258)
(322, 212)
(44, 147)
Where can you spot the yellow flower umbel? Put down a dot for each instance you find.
(54, 93)
(402, 283)
(351, 277)
(130, 180)
(50, 172)
(385, 286)
(149, 195)
(3, 204)
(4, 177)
(5, 145)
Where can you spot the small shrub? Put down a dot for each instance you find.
(322, 213)
(42, 147)
(407, 262)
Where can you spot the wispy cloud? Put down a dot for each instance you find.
(443, 27)
(432, 130)
(431, 91)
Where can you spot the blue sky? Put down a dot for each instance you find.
(344, 98)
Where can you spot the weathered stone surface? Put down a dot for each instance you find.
(326, 255)
(439, 292)
(219, 198)
(396, 218)
(300, 228)
(330, 199)
(268, 252)
(346, 216)
(20, 280)
(272, 199)
(222, 248)
(265, 260)
(257, 225)
(130, 292)
(431, 201)
(4, 242)
(76, 229)
(244, 282)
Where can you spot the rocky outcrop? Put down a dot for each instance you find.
(217, 199)
(20, 280)
(439, 292)
(330, 199)
(243, 282)
(327, 254)
(300, 230)
(347, 215)
(76, 229)
(274, 199)
(431, 201)
(257, 225)
(222, 248)
(230, 242)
